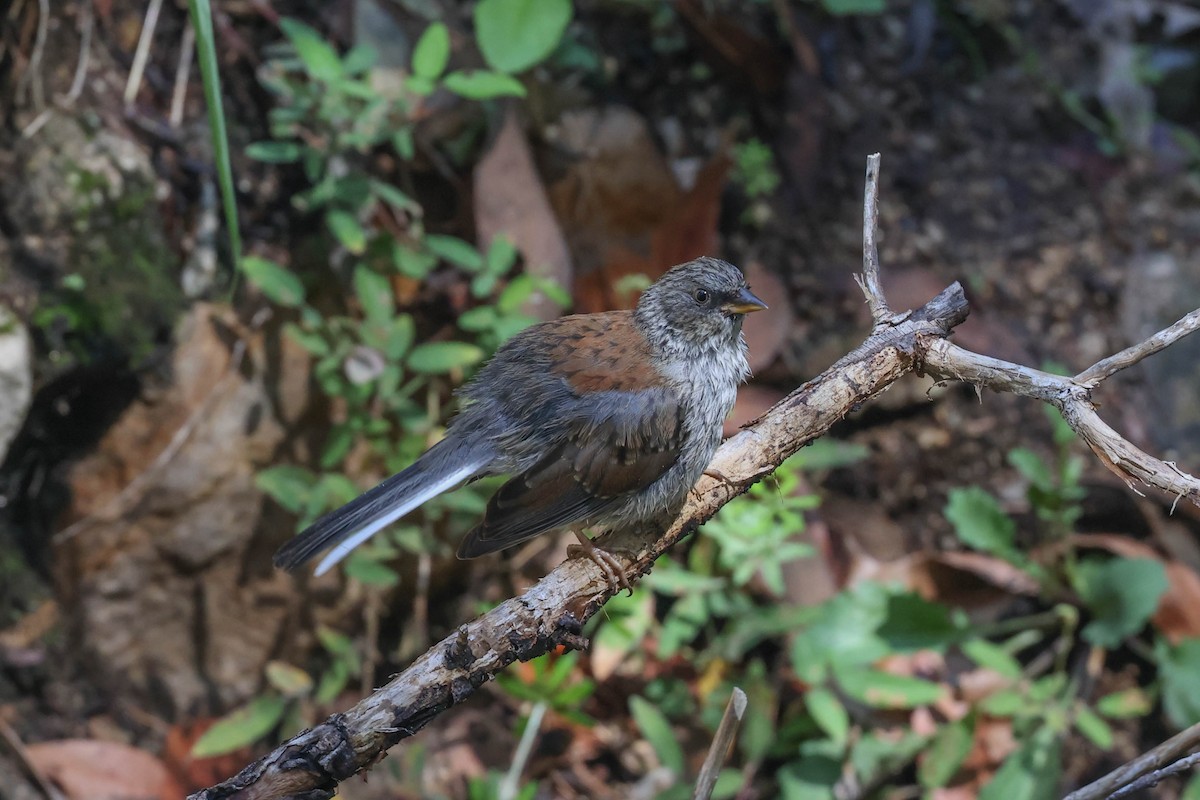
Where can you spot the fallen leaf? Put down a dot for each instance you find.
(767, 331)
(85, 769)
(511, 201)
(197, 773)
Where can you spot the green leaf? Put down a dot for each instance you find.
(829, 713)
(288, 680)
(394, 197)
(242, 727)
(992, 656)
(320, 59)
(657, 731)
(274, 152)
(1121, 594)
(359, 59)
(946, 753)
(1031, 466)
(1093, 727)
(432, 52)
(979, 521)
(501, 255)
(1031, 773)
(886, 690)
(287, 484)
(454, 250)
(438, 358)
(847, 7)
(1179, 671)
(412, 263)
(1128, 703)
(370, 572)
(914, 623)
(347, 230)
(374, 293)
(514, 35)
(276, 282)
(482, 85)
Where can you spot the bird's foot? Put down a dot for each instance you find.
(716, 475)
(612, 568)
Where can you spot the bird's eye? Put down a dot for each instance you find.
(701, 295)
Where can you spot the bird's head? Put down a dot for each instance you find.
(700, 304)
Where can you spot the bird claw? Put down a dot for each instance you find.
(613, 569)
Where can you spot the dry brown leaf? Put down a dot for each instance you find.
(85, 769)
(511, 201)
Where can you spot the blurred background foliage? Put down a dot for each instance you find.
(209, 340)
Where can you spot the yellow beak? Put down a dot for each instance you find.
(744, 302)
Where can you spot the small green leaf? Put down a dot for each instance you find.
(438, 358)
(1031, 466)
(914, 623)
(1179, 671)
(320, 59)
(370, 572)
(402, 140)
(847, 7)
(347, 230)
(657, 731)
(979, 521)
(287, 484)
(946, 753)
(501, 255)
(454, 250)
(992, 656)
(482, 85)
(829, 713)
(514, 35)
(1093, 727)
(1121, 594)
(276, 282)
(1128, 703)
(374, 293)
(412, 263)
(1031, 773)
(359, 59)
(288, 680)
(242, 727)
(432, 52)
(1004, 703)
(886, 690)
(395, 198)
(275, 152)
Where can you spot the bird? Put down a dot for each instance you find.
(600, 419)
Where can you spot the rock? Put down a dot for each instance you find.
(16, 377)
(177, 604)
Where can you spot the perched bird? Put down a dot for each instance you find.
(601, 418)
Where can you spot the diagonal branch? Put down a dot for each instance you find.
(552, 612)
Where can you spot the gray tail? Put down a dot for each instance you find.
(442, 467)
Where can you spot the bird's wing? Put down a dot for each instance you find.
(619, 444)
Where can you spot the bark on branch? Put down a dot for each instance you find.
(553, 611)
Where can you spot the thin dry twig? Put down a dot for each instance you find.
(10, 737)
(870, 282)
(142, 54)
(183, 69)
(1105, 368)
(86, 23)
(731, 720)
(1155, 759)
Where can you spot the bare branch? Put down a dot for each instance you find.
(1157, 758)
(1093, 375)
(553, 611)
(869, 280)
(947, 361)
